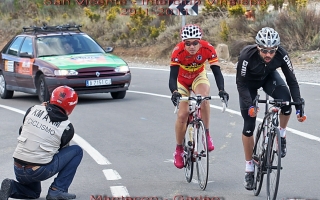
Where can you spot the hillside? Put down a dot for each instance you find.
(142, 38)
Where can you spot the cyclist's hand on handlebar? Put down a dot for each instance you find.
(299, 118)
(174, 97)
(253, 111)
(223, 94)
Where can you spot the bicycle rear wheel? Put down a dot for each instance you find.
(202, 157)
(273, 164)
(258, 158)
(188, 153)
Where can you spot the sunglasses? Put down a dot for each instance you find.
(265, 51)
(194, 43)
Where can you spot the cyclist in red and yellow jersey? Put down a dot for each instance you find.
(187, 70)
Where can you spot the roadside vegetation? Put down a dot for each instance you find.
(124, 24)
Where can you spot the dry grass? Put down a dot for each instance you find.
(298, 30)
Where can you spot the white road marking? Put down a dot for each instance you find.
(119, 191)
(13, 109)
(197, 182)
(100, 159)
(111, 174)
(294, 131)
(307, 83)
(208, 72)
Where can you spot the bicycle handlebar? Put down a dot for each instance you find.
(279, 103)
(199, 99)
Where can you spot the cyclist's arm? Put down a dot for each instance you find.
(67, 135)
(241, 82)
(291, 79)
(174, 70)
(218, 76)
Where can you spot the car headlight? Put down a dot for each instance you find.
(122, 69)
(65, 72)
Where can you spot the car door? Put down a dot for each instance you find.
(24, 75)
(10, 61)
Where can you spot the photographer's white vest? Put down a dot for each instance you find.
(40, 138)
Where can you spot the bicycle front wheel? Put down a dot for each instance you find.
(273, 164)
(202, 155)
(188, 153)
(258, 158)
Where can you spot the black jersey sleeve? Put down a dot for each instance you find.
(218, 76)
(287, 69)
(242, 67)
(173, 85)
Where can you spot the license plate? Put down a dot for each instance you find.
(98, 82)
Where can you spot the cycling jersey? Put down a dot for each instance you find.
(252, 72)
(190, 66)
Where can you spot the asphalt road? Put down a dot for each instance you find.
(129, 145)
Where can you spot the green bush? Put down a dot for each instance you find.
(224, 34)
(299, 28)
(237, 10)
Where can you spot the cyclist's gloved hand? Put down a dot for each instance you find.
(174, 97)
(253, 111)
(299, 118)
(300, 108)
(224, 94)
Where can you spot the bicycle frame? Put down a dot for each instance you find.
(268, 148)
(270, 121)
(195, 142)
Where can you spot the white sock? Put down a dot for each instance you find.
(282, 132)
(249, 166)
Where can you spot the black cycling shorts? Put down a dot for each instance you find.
(275, 87)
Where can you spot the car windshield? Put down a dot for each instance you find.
(66, 44)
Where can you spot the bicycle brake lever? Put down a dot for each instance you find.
(177, 106)
(225, 99)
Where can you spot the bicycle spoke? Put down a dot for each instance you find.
(202, 156)
(258, 159)
(188, 153)
(274, 164)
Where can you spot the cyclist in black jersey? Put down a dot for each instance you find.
(257, 67)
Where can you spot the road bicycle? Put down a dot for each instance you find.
(195, 141)
(267, 147)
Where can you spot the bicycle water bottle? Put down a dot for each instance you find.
(190, 132)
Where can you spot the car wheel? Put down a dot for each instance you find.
(4, 93)
(42, 89)
(118, 95)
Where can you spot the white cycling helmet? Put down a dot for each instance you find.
(191, 31)
(268, 37)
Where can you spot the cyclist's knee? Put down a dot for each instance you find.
(248, 127)
(286, 110)
(247, 132)
(205, 103)
(183, 113)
